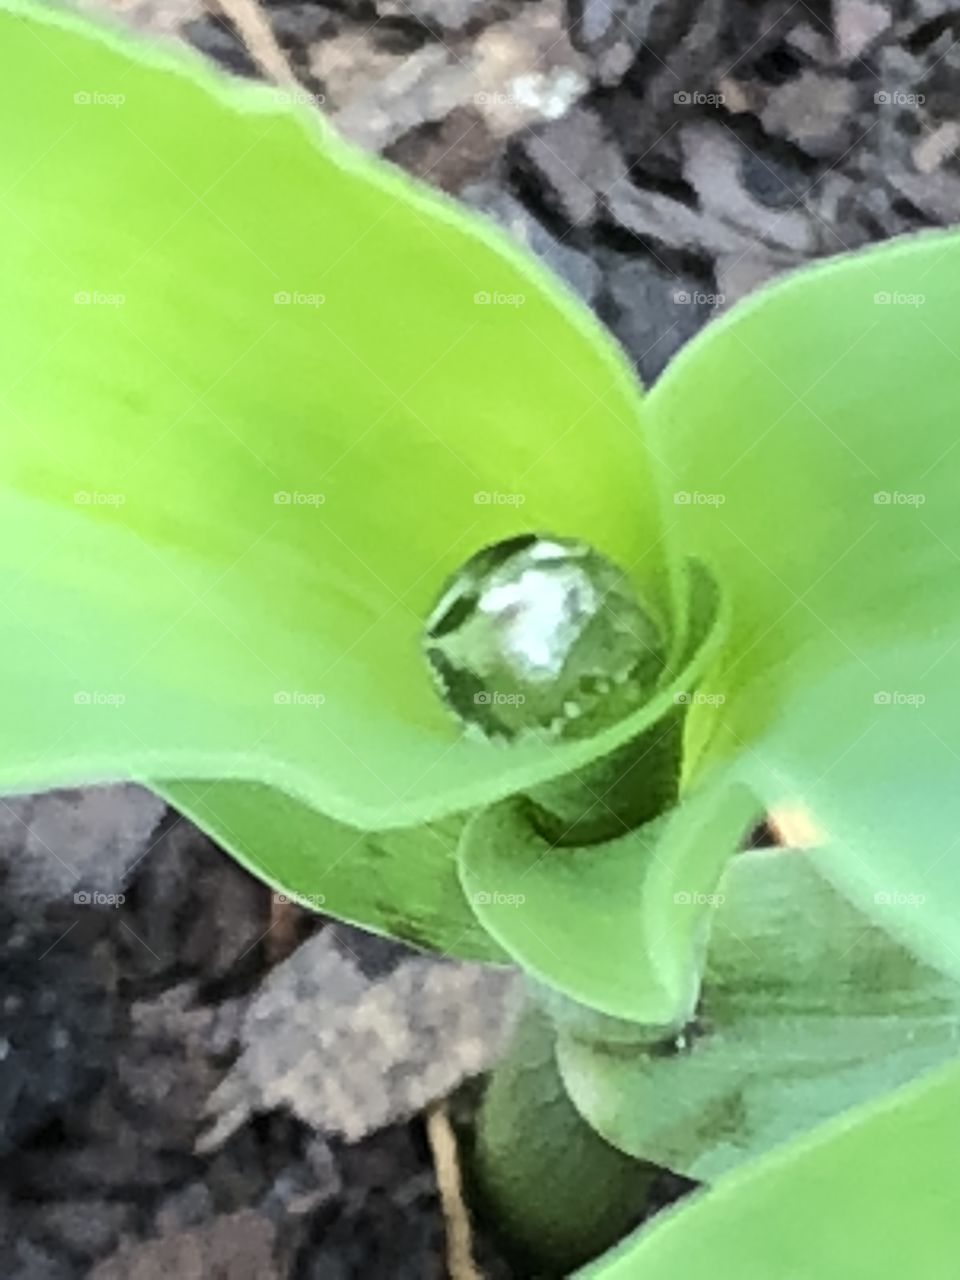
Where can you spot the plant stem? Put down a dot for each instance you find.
(554, 1191)
(631, 786)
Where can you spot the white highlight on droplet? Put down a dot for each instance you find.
(540, 617)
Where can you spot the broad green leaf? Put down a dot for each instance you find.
(261, 396)
(807, 1009)
(617, 926)
(812, 436)
(402, 883)
(870, 1196)
(883, 812)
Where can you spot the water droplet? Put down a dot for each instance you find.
(542, 635)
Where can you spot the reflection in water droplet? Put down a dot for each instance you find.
(542, 635)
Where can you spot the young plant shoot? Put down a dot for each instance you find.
(428, 611)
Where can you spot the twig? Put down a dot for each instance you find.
(283, 936)
(255, 32)
(443, 1145)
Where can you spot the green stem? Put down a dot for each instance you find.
(554, 1191)
(558, 1194)
(617, 793)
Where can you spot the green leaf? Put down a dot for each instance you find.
(616, 926)
(871, 1196)
(254, 416)
(882, 814)
(401, 883)
(806, 1010)
(811, 435)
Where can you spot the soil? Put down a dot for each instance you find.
(164, 1108)
(198, 1081)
